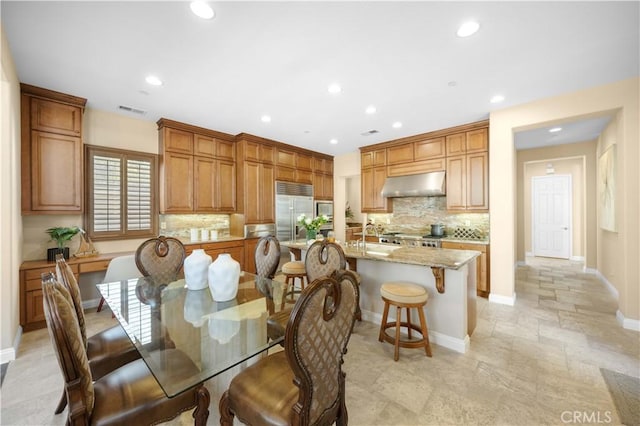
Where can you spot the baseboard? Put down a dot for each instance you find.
(91, 303)
(502, 300)
(9, 354)
(528, 254)
(627, 323)
(610, 287)
(590, 271)
(576, 258)
(458, 345)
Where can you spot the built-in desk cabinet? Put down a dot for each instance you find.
(52, 155)
(31, 310)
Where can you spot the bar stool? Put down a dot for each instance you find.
(292, 270)
(404, 295)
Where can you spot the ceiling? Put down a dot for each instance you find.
(278, 58)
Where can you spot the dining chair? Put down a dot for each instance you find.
(303, 384)
(120, 268)
(127, 395)
(267, 259)
(322, 259)
(160, 258)
(106, 350)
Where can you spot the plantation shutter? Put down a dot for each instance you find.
(107, 193)
(138, 195)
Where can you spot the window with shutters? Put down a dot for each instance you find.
(121, 190)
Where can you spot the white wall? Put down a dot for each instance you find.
(621, 95)
(344, 167)
(10, 219)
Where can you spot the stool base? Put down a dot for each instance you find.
(398, 324)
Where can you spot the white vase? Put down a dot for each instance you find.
(196, 267)
(224, 275)
(197, 305)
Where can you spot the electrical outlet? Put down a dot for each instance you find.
(163, 225)
(467, 223)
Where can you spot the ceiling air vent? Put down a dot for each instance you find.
(370, 132)
(131, 109)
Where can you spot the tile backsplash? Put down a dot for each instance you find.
(414, 215)
(179, 225)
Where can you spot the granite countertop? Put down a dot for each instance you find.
(188, 241)
(424, 256)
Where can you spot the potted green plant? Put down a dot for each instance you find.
(61, 235)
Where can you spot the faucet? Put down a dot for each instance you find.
(364, 235)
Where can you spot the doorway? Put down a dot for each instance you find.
(551, 216)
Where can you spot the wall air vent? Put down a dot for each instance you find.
(131, 109)
(370, 132)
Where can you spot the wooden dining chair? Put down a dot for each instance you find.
(161, 258)
(322, 259)
(267, 259)
(106, 350)
(127, 395)
(304, 384)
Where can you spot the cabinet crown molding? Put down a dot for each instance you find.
(52, 95)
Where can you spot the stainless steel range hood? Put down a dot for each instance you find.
(423, 185)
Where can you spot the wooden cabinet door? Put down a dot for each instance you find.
(366, 190)
(303, 161)
(204, 146)
(287, 174)
(226, 186)
(328, 187)
(252, 191)
(373, 158)
(482, 266)
(400, 154)
(286, 158)
(34, 308)
(304, 176)
(268, 193)
(456, 144)
(225, 150)
(477, 181)
(372, 182)
(429, 149)
(205, 184)
(56, 172)
(54, 117)
(456, 182)
(477, 140)
(318, 186)
(249, 254)
(175, 140)
(178, 183)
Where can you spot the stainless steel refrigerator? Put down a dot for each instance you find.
(292, 200)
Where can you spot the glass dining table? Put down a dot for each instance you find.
(215, 336)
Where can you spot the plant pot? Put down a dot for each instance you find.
(52, 252)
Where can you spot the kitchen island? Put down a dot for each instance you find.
(448, 275)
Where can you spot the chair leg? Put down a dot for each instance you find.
(100, 304)
(201, 413)
(409, 322)
(62, 403)
(396, 354)
(226, 415)
(425, 332)
(383, 323)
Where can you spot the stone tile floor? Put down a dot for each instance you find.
(535, 363)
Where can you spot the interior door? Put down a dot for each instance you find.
(551, 216)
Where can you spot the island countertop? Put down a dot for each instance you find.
(424, 256)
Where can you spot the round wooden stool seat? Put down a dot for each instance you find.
(404, 295)
(292, 270)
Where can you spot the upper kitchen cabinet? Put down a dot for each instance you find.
(293, 165)
(51, 154)
(255, 179)
(373, 175)
(322, 177)
(468, 173)
(197, 169)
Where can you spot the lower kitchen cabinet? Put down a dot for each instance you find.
(234, 248)
(483, 287)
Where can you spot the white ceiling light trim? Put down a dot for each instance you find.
(334, 88)
(496, 99)
(266, 119)
(555, 129)
(153, 80)
(333, 141)
(370, 109)
(396, 125)
(202, 9)
(468, 28)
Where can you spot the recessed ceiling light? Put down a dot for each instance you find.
(496, 99)
(370, 109)
(555, 129)
(333, 141)
(153, 80)
(397, 125)
(202, 9)
(468, 28)
(334, 88)
(266, 119)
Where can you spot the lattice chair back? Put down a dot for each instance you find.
(323, 259)
(267, 256)
(161, 259)
(68, 280)
(316, 340)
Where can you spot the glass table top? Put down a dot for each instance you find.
(214, 336)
